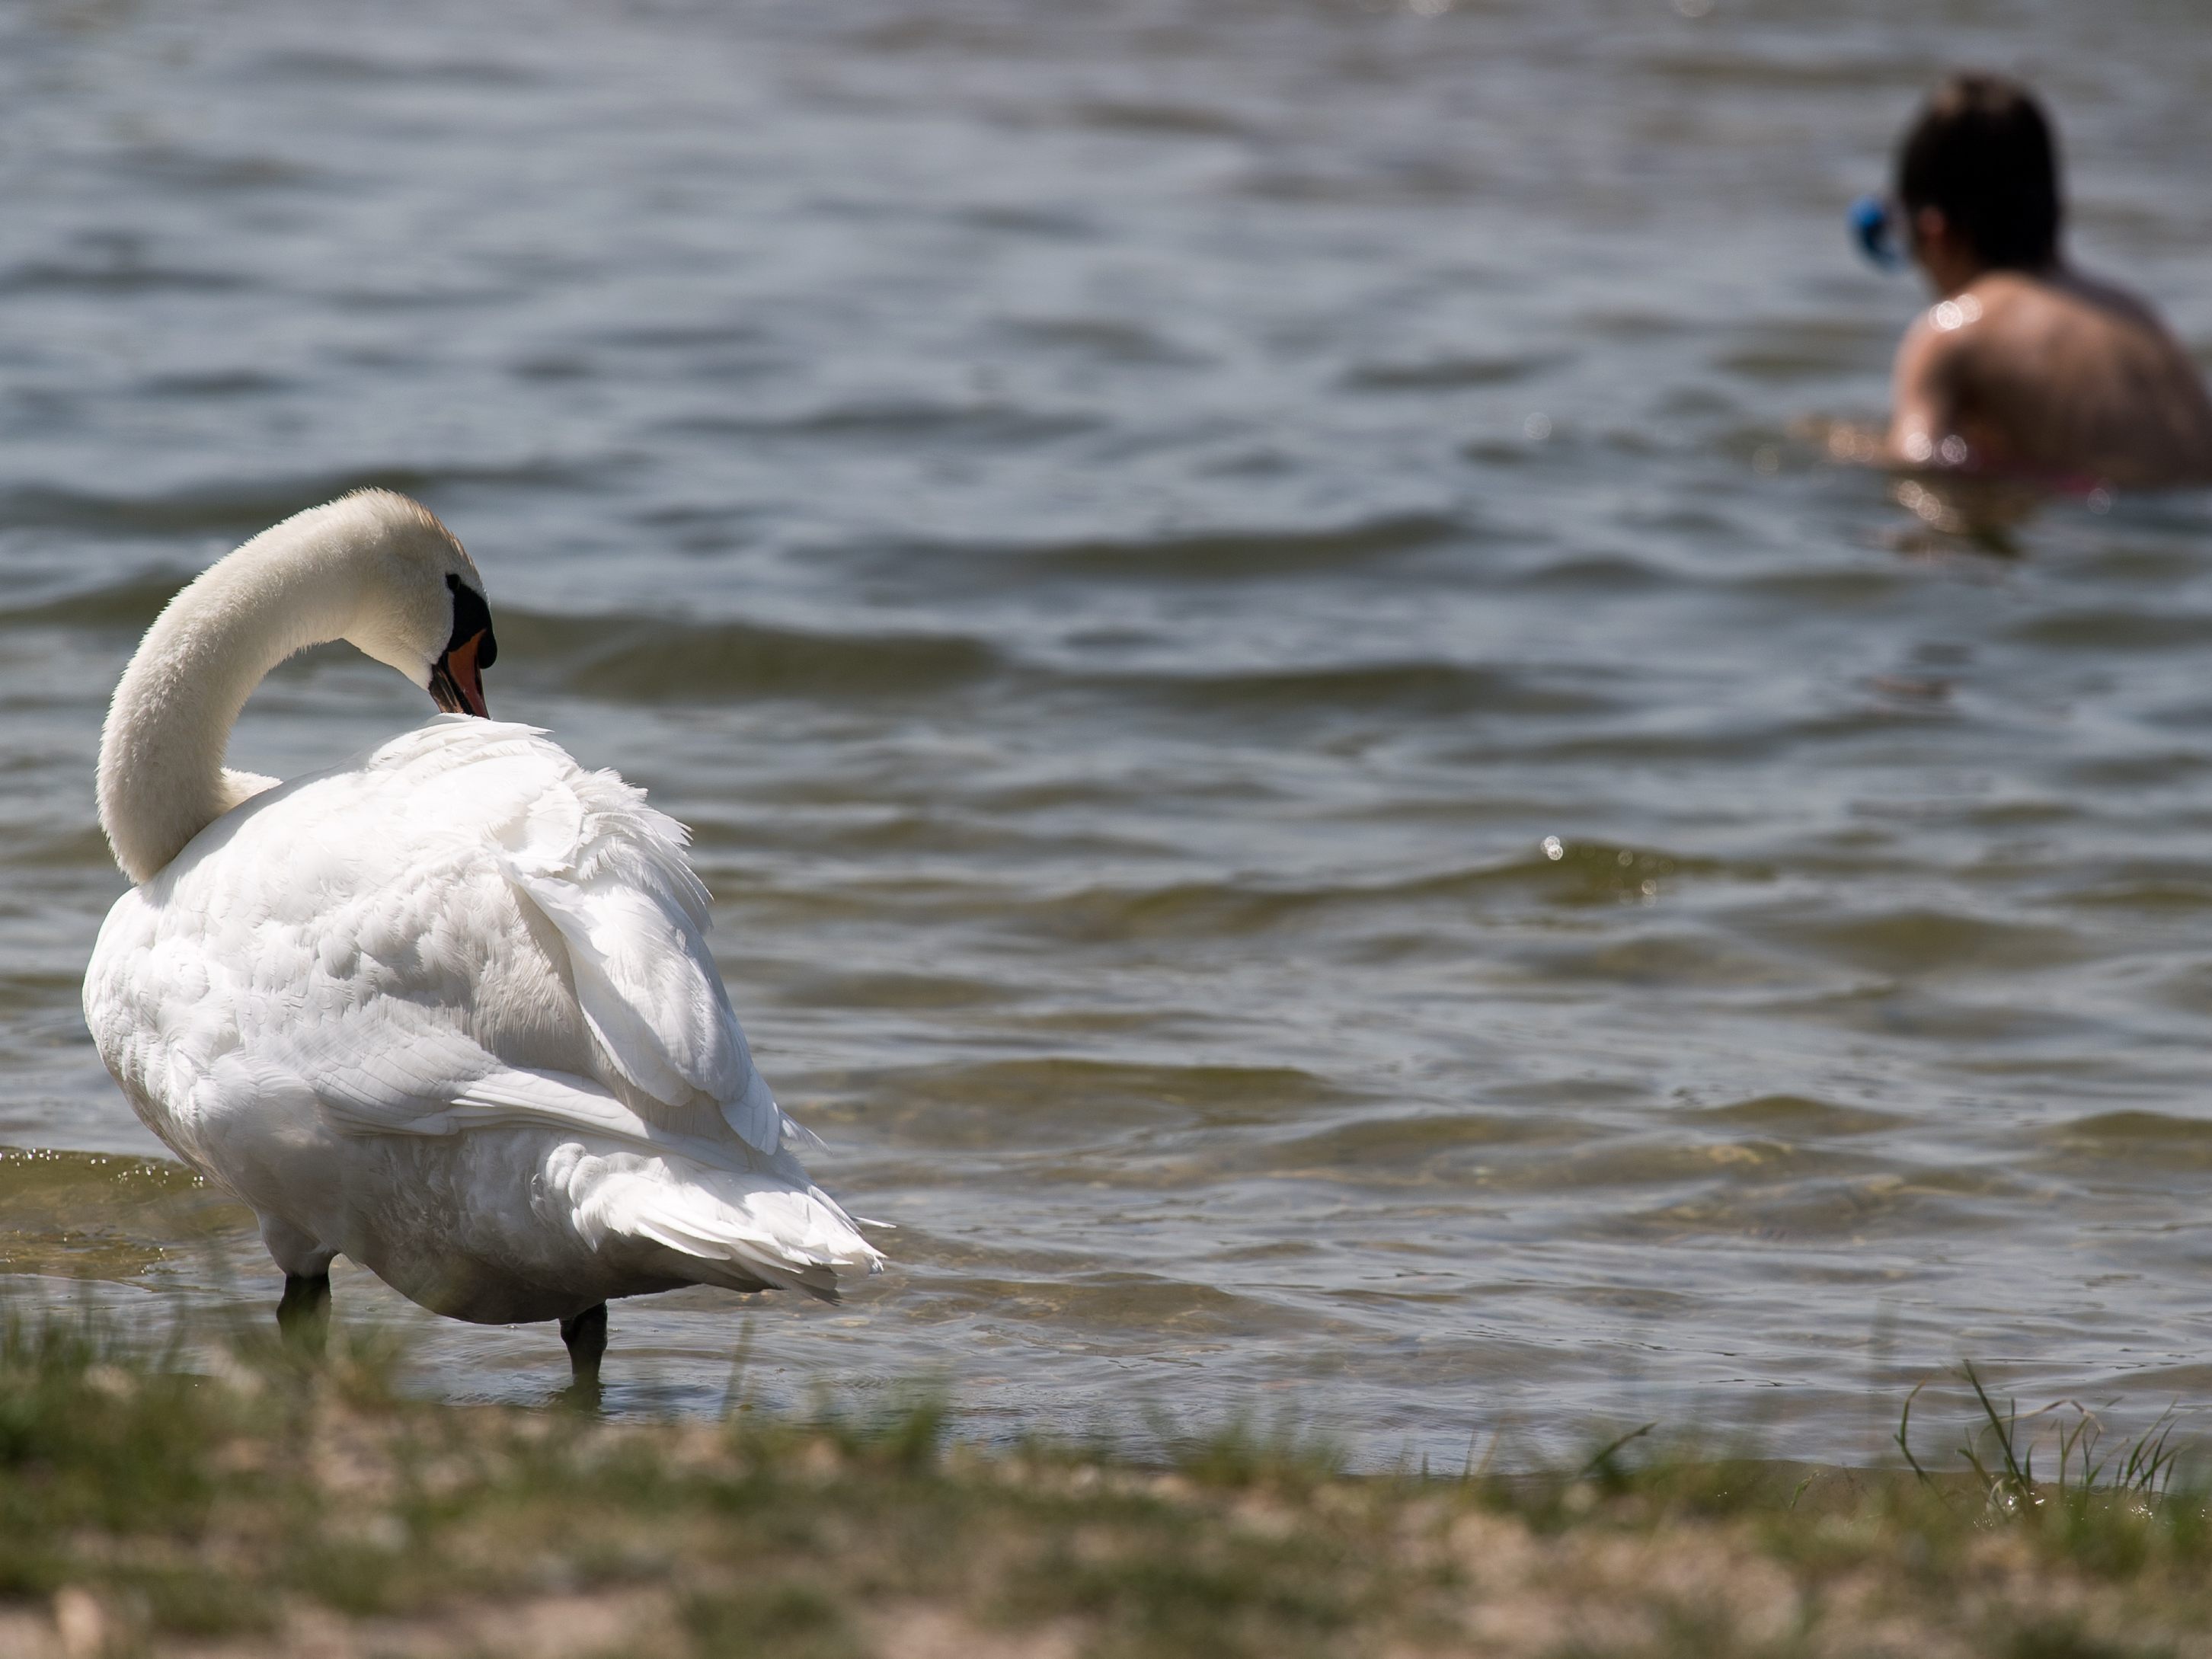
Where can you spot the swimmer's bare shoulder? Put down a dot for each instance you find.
(2061, 376)
(1928, 385)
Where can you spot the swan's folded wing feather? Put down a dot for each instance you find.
(795, 1236)
(609, 873)
(513, 1097)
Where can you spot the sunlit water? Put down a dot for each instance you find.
(1125, 529)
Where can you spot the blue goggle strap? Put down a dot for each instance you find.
(1874, 228)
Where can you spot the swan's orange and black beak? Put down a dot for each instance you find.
(457, 677)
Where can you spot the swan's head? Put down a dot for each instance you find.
(421, 608)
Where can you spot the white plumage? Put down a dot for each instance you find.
(447, 1008)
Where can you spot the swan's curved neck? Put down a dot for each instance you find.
(162, 776)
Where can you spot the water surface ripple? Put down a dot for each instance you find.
(1125, 529)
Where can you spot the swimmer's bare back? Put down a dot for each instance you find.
(2051, 376)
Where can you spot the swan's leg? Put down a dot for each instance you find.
(585, 1334)
(304, 1315)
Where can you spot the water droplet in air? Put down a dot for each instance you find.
(1552, 849)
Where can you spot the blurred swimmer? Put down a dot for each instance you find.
(2024, 366)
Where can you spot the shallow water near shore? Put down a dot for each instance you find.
(1304, 772)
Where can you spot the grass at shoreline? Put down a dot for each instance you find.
(254, 1504)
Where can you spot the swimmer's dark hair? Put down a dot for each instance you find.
(1984, 153)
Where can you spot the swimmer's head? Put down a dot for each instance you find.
(1980, 168)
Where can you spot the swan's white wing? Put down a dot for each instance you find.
(609, 873)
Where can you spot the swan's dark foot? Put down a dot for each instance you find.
(304, 1316)
(585, 1334)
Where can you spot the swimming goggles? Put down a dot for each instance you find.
(1874, 228)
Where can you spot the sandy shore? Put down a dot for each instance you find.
(275, 1508)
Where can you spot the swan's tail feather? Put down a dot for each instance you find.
(742, 1230)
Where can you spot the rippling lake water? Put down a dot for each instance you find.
(1304, 770)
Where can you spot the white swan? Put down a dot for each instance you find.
(445, 1008)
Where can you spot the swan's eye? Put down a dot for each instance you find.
(472, 617)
